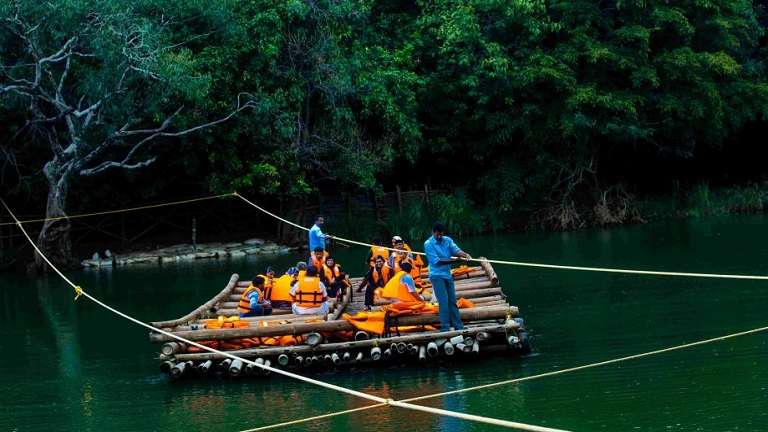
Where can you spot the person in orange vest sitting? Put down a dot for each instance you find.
(402, 288)
(377, 277)
(269, 282)
(317, 259)
(377, 251)
(279, 293)
(407, 253)
(252, 301)
(334, 279)
(309, 295)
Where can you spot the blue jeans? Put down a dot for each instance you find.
(260, 310)
(445, 291)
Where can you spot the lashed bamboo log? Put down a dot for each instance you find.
(489, 271)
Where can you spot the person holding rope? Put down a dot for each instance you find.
(316, 235)
(440, 250)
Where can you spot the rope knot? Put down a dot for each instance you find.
(78, 292)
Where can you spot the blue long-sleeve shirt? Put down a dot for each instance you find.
(316, 238)
(437, 251)
(254, 299)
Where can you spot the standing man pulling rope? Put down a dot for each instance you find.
(316, 235)
(439, 250)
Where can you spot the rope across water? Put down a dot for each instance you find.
(530, 264)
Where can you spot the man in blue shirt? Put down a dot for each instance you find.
(316, 235)
(441, 250)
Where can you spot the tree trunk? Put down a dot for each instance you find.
(54, 239)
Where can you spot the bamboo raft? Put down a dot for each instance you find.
(330, 342)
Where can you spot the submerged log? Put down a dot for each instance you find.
(375, 353)
(204, 367)
(472, 314)
(178, 369)
(432, 350)
(448, 349)
(166, 366)
(235, 368)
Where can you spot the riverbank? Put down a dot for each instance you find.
(187, 252)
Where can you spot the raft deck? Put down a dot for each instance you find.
(329, 341)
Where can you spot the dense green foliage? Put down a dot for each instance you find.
(547, 110)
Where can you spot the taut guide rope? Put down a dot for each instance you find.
(529, 264)
(80, 292)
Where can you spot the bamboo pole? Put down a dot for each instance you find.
(489, 271)
(202, 308)
(395, 342)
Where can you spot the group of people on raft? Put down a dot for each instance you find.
(394, 274)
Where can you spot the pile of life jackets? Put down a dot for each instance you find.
(374, 321)
(242, 343)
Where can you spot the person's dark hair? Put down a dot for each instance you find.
(311, 271)
(258, 281)
(329, 257)
(438, 227)
(406, 266)
(270, 270)
(317, 217)
(318, 249)
(379, 257)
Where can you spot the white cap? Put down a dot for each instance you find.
(396, 239)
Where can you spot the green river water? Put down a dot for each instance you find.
(71, 366)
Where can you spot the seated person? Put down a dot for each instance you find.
(401, 288)
(269, 282)
(377, 277)
(376, 251)
(334, 279)
(252, 301)
(309, 295)
(317, 259)
(279, 293)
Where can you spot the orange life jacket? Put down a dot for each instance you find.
(415, 270)
(309, 294)
(379, 280)
(396, 290)
(417, 260)
(244, 306)
(268, 284)
(331, 274)
(318, 263)
(377, 251)
(280, 288)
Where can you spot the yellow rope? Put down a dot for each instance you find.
(81, 292)
(531, 264)
(130, 209)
